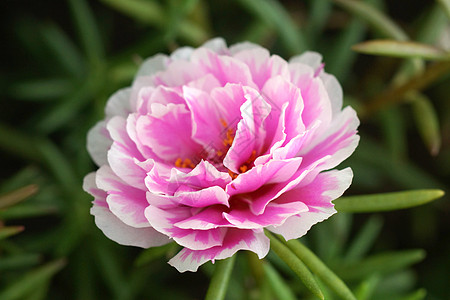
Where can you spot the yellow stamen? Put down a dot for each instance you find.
(186, 163)
(178, 162)
(243, 168)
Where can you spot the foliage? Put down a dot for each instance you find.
(61, 61)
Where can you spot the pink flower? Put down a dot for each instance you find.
(210, 146)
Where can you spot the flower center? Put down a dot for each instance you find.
(228, 138)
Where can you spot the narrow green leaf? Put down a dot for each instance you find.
(420, 294)
(27, 211)
(147, 12)
(364, 239)
(296, 264)
(375, 18)
(277, 283)
(150, 12)
(367, 288)
(41, 89)
(31, 280)
(338, 58)
(318, 17)
(219, 282)
(18, 195)
(321, 270)
(403, 49)
(63, 49)
(17, 262)
(8, 231)
(446, 6)
(274, 14)
(381, 264)
(88, 31)
(427, 122)
(17, 143)
(386, 201)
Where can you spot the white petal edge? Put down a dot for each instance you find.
(260, 246)
(119, 104)
(310, 58)
(298, 225)
(152, 65)
(98, 143)
(123, 234)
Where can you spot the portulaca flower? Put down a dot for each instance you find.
(210, 146)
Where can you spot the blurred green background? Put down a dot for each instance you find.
(60, 62)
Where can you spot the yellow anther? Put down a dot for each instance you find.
(178, 162)
(243, 168)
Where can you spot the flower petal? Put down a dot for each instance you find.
(317, 196)
(113, 227)
(124, 201)
(98, 143)
(167, 131)
(235, 240)
(224, 68)
(164, 220)
(338, 142)
(123, 154)
(274, 214)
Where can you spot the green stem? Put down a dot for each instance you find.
(295, 264)
(219, 282)
(320, 269)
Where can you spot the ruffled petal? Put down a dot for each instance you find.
(119, 104)
(274, 171)
(167, 131)
(274, 214)
(206, 125)
(125, 202)
(250, 134)
(338, 142)
(164, 220)
(113, 227)
(317, 196)
(98, 143)
(224, 68)
(235, 240)
(263, 66)
(123, 154)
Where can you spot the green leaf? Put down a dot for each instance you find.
(63, 49)
(420, 294)
(150, 12)
(427, 121)
(18, 195)
(446, 6)
(320, 269)
(32, 280)
(90, 36)
(277, 283)
(376, 19)
(364, 239)
(19, 261)
(8, 231)
(381, 264)
(41, 89)
(367, 288)
(219, 282)
(296, 264)
(386, 201)
(274, 14)
(401, 49)
(26, 211)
